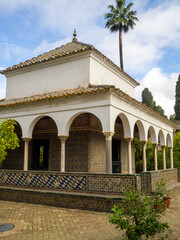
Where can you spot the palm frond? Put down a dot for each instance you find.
(120, 4)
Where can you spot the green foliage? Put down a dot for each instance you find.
(150, 155)
(138, 156)
(177, 103)
(8, 138)
(160, 190)
(172, 117)
(147, 99)
(138, 216)
(176, 150)
(121, 16)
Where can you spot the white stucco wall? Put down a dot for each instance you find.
(106, 107)
(101, 74)
(66, 75)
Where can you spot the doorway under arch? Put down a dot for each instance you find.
(45, 147)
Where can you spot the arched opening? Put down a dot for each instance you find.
(138, 150)
(162, 144)
(120, 145)
(151, 145)
(44, 148)
(85, 146)
(15, 158)
(117, 150)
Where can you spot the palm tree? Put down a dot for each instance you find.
(121, 19)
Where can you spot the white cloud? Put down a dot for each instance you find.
(162, 87)
(10, 50)
(157, 29)
(47, 46)
(143, 47)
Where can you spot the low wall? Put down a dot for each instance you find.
(150, 178)
(80, 182)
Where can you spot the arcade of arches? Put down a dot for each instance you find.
(86, 149)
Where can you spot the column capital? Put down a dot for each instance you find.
(170, 147)
(128, 139)
(143, 142)
(63, 137)
(163, 146)
(154, 144)
(28, 139)
(108, 135)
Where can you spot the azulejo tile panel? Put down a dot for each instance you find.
(44, 181)
(73, 182)
(146, 183)
(16, 179)
(110, 184)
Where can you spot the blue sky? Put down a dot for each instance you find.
(151, 50)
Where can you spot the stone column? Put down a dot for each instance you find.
(108, 139)
(144, 155)
(129, 140)
(171, 157)
(164, 156)
(63, 150)
(26, 152)
(155, 145)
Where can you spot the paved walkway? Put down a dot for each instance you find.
(36, 222)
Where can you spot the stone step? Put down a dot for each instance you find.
(173, 190)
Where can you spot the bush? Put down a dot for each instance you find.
(8, 138)
(137, 215)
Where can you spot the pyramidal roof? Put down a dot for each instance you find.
(64, 50)
(70, 48)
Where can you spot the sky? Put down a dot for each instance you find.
(151, 50)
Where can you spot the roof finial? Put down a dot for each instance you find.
(74, 36)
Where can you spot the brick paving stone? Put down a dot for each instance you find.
(38, 222)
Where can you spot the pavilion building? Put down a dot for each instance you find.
(76, 112)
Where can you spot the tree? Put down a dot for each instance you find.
(121, 18)
(177, 104)
(8, 138)
(172, 117)
(176, 150)
(147, 99)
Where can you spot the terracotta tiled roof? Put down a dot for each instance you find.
(52, 95)
(71, 48)
(92, 89)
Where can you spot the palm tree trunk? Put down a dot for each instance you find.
(120, 48)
